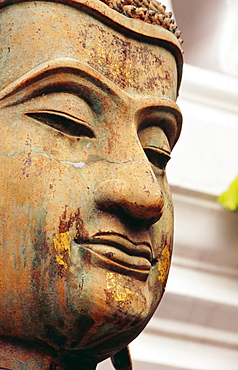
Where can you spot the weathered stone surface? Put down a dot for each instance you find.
(87, 122)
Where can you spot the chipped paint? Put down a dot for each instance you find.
(116, 286)
(43, 154)
(75, 164)
(62, 244)
(164, 264)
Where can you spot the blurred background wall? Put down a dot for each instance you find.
(196, 325)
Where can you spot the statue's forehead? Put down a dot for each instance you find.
(133, 65)
(33, 33)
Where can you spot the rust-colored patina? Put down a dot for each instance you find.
(87, 122)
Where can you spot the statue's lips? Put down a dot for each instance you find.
(120, 251)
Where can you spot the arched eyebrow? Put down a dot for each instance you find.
(71, 75)
(55, 74)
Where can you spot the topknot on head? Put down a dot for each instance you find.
(150, 11)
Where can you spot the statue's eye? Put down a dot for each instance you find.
(157, 157)
(156, 146)
(62, 122)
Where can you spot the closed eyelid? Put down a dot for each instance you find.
(153, 137)
(65, 108)
(159, 149)
(60, 114)
(159, 158)
(64, 123)
(165, 115)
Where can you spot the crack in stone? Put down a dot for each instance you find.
(75, 164)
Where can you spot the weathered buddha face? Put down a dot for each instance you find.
(87, 122)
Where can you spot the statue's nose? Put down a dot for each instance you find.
(134, 192)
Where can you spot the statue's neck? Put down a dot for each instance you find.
(15, 356)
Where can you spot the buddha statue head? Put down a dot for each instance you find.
(88, 120)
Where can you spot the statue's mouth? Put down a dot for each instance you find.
(117, 252)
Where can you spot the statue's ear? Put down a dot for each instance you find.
(122, 360)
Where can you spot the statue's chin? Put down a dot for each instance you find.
(105, 322)
(83, 309)
(94, 334)
(87, 310)
(101, 318)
